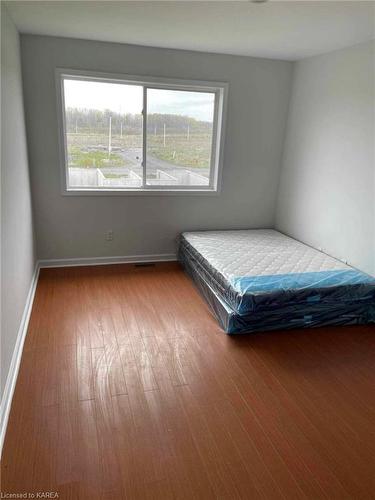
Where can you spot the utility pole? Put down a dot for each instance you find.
(110, 137)
(76, 126)
(164, 135)
(188, 132)
(121, 117)
(155, 130)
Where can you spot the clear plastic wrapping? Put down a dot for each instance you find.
(295, 300)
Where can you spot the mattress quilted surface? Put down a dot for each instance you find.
(262, 268)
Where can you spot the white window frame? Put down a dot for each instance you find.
(220, 90)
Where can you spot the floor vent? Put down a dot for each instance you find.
(144, 264)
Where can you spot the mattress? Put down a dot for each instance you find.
(254, 272)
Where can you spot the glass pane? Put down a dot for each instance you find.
(179, 137)
(103, 134)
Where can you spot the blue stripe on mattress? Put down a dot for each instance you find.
(297, 281)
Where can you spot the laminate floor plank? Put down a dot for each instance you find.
(128, 389)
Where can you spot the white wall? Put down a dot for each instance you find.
(74, 226)
(327, 186)
(17, 245)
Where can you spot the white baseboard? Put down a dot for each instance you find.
(10, 384)
(100, 261)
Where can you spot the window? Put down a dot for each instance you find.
(125, 134)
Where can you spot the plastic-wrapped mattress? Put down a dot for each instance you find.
(261, 279)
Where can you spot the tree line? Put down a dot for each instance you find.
(96, 121)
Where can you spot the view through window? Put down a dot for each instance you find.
(104, 127)
(179, 137)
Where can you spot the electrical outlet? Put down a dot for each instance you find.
(109, 235)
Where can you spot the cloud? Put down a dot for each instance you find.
(124, 98)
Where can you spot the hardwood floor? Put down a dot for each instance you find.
(129, 389)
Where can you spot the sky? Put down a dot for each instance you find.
(122, 98)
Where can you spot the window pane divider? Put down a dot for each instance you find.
(144, 138)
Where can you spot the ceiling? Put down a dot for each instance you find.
(277, 29)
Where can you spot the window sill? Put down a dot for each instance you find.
(141, 192)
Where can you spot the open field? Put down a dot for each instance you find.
(94, 159)
(101, 140)
(91, 150)
(194, 152)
